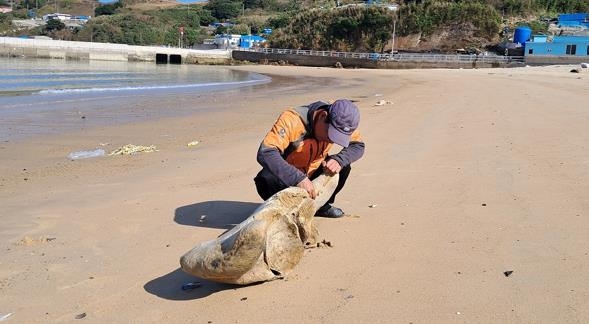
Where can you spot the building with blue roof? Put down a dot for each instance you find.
(574, 20)
(561, 49)
(248, 41)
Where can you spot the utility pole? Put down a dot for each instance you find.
(395, 17)
(394, 31)
(181, 37)
(92, 24)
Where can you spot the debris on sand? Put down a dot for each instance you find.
(324, 243)
(584, 68)
(5, 316)
(131, 149)
(78, 155)
(29, 241)
(383, 102)
(191, 285)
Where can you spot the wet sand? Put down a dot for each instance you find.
(468, 174)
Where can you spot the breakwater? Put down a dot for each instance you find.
(57, 49)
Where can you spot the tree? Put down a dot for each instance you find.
(221, 30)
(5, 22)
(54, 25)
(280, 21)
(108, 9)
(66, 3)
(240, 29)
(262, 4)
(256, 24)
(224, 9)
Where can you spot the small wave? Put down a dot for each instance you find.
(155, 87)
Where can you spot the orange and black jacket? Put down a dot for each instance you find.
(291, 152)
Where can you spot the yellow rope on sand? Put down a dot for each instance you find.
(131, 149)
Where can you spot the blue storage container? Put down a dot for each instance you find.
(522, 35)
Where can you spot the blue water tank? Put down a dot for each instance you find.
(522, 35)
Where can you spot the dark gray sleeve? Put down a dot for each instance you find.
(350, 154)
(270, 159)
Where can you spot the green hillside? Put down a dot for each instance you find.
(426, 25)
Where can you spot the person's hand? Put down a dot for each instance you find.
(308, 185)
(331, 167)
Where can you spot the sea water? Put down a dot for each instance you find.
(50, 96)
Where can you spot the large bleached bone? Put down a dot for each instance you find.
(267, 244)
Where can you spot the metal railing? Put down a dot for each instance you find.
(400, 57)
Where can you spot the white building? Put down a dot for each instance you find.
(227, 40)
(58, 16)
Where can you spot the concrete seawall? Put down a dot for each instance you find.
(555, 60)
(55, 49)
(348, 62)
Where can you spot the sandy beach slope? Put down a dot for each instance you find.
(468, 174)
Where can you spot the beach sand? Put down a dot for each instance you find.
(468, 174)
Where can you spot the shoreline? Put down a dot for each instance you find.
(39, 114)
(49, 151)
(470, 174)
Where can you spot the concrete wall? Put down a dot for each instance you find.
(555, 60)
(322, 61)
(41, 48)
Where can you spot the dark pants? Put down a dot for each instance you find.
(267, 184)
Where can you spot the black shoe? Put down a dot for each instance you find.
(330, 211)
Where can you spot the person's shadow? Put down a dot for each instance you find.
(215, 214)
(178, 285)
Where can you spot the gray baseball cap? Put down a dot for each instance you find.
(344, 118)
